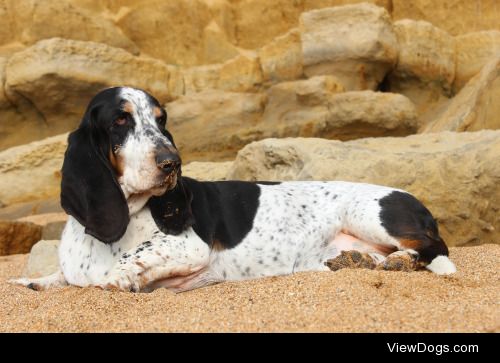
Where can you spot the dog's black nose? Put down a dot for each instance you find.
(168, 161)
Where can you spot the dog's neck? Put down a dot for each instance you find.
(137, 201)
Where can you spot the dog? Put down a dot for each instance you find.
(136, 224)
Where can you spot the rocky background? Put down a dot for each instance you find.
(396, 92)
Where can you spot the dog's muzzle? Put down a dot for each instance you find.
(169, 162)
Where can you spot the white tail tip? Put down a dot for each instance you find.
(442, 265)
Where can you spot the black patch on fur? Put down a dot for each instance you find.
(218, 211)
(172, 211)
(405, 217)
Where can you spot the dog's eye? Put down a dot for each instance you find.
(121, 121)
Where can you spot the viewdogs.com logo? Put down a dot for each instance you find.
(437, 349)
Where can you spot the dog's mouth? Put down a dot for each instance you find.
(165, 183)
(159, 183)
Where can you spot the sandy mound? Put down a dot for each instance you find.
(343, 301)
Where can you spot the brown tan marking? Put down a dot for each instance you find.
(157, 111)
(116, 161)
(217, 245)
(410, 244)
(128, 107)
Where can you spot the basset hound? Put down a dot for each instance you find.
(136, 224)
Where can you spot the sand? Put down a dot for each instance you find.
(342, 301)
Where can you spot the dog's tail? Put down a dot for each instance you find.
(436, 258)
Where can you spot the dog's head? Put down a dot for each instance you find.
(120, 152)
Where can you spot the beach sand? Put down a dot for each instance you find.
(342, 301)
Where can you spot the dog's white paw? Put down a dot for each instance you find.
(123, 282)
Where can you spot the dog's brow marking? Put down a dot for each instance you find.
(143, 111)
(128, 107)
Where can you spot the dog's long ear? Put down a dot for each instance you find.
(172, 211)
(89, 189)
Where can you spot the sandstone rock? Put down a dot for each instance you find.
(216, 46)
(17, 125)
(257, 22)
(222, 12)
(474, 50)
(29, 21)
(197, 79)
(318, 4)
(21, 124)
(426, 53)
(59, 77)
(426, 65)
(20, 210)
(456, 175)
(45, 218)
(52, 223)
(207, 171)
(53, 230)
(6, 50)
(226, 121)
(161, 30)
(168, 30)
(43, 259)
(456, 17)
(18, 237)
(240, 74)
(6, 30)
(112, 5)
(476, 107)
(3, 98)
(355, 43)
(93, 6)
(32, 172)
(315, 108)
(310, 92)
(281, 59)
(220, 120)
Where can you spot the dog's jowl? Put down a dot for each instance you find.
(136, 224)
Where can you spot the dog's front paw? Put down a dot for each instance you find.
(123, 282)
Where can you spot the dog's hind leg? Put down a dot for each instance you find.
(400, 227)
